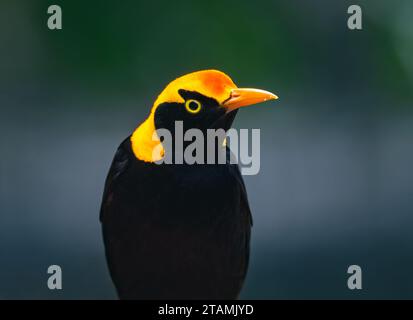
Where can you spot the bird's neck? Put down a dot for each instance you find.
(146, 145)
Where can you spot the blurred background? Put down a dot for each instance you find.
(336, 180)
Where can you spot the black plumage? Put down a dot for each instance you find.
(175, 231)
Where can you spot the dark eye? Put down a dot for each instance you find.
(193, 106)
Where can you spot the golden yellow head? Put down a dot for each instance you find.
(212, 85)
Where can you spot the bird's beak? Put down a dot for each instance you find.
(242, 97)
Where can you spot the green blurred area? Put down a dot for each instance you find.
(135, 47)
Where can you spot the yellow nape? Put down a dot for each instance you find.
(211, 83)
(146, 145)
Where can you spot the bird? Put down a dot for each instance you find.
(179, 231)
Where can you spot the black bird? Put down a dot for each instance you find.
(179, 231)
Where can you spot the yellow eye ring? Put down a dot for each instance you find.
(193, 106)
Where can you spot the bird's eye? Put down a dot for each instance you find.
(193, 106)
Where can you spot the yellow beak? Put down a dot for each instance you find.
(242, 97)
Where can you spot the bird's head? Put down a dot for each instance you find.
(204, 100)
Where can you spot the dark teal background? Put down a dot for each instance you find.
(336, 181)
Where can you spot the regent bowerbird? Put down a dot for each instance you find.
(179, 231)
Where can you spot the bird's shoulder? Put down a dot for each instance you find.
(127, 175)
(236, 173)
(120, 163)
